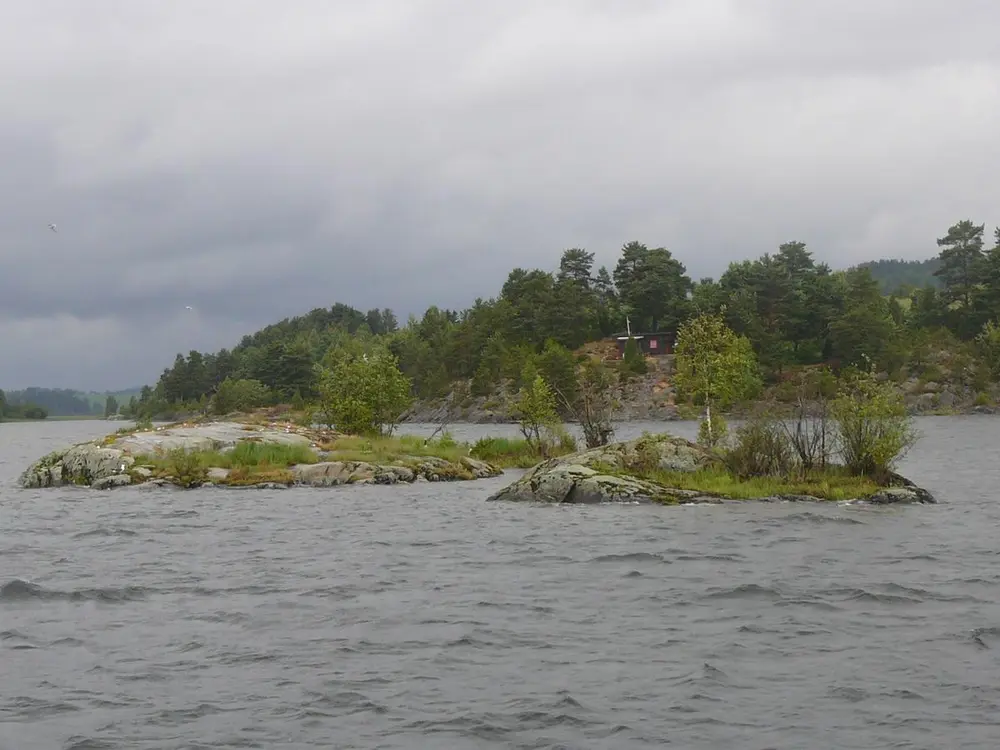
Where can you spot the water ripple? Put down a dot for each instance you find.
(421, 616)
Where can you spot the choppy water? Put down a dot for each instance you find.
(423, 617)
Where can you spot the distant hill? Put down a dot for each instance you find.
(63, 402)
(895, 275)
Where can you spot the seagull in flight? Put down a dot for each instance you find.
(53, 227)
(188, 307)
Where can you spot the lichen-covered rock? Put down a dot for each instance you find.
(82, 464)
(430, 468)
(333, 473)
(480, 469)
(115, 480)
(897, 495)
(394, 475)
(203, 437)
(600, 475)
(85, 464)
(576, 484)
(325, 474)
(664, 452)
(903, 493)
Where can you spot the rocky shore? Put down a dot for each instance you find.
(651, 398)
(640, 470)
(176, 456)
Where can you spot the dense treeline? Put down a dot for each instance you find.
(64, 402)
(793, 310)
(56, 401)
(16, 409)
(901, 277)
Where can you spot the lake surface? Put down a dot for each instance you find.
(423, 617)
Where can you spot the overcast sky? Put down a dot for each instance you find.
(257, 159)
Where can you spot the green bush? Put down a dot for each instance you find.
(240, 395)
(633, 361)
(710, 438)
(874, 428)
(535, 407)
(501, 451)
(761, 449)
(363, 395)
(186, 467)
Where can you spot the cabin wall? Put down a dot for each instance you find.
(664, 344)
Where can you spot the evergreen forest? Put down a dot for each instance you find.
(796, 312)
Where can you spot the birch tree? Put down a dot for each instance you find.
(715, 365)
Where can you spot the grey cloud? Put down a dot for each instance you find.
(257, 160)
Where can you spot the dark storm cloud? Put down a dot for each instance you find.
(255, 160)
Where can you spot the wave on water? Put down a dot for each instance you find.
(19, 590)
(422, 616)
(743, 591)
(630, 557)
(104, 531)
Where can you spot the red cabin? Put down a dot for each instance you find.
(650, 344)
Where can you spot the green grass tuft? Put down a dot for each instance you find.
(392, 449)
(253, 453)
(833, 483)
(511, 452)
(249, 461)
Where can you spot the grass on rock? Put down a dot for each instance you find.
(833, 483)
(244, 455)
(250, 462)
(504, 453)
(254, 461)
(387, 450)
(513, 453)
(251, 453)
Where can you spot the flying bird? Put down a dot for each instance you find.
(53, 227)
(188, 307)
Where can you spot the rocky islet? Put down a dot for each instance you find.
(127, 459)
(613, 473)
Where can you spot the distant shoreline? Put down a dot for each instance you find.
(50, 418)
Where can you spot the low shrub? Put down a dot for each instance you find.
(762, 448)
(518, 452)
(253, 453)
(186, 467)
(874, 428)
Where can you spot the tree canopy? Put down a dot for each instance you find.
(792, 310)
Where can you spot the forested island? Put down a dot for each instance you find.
(821, 364)
(938, 343)
(928, 326)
